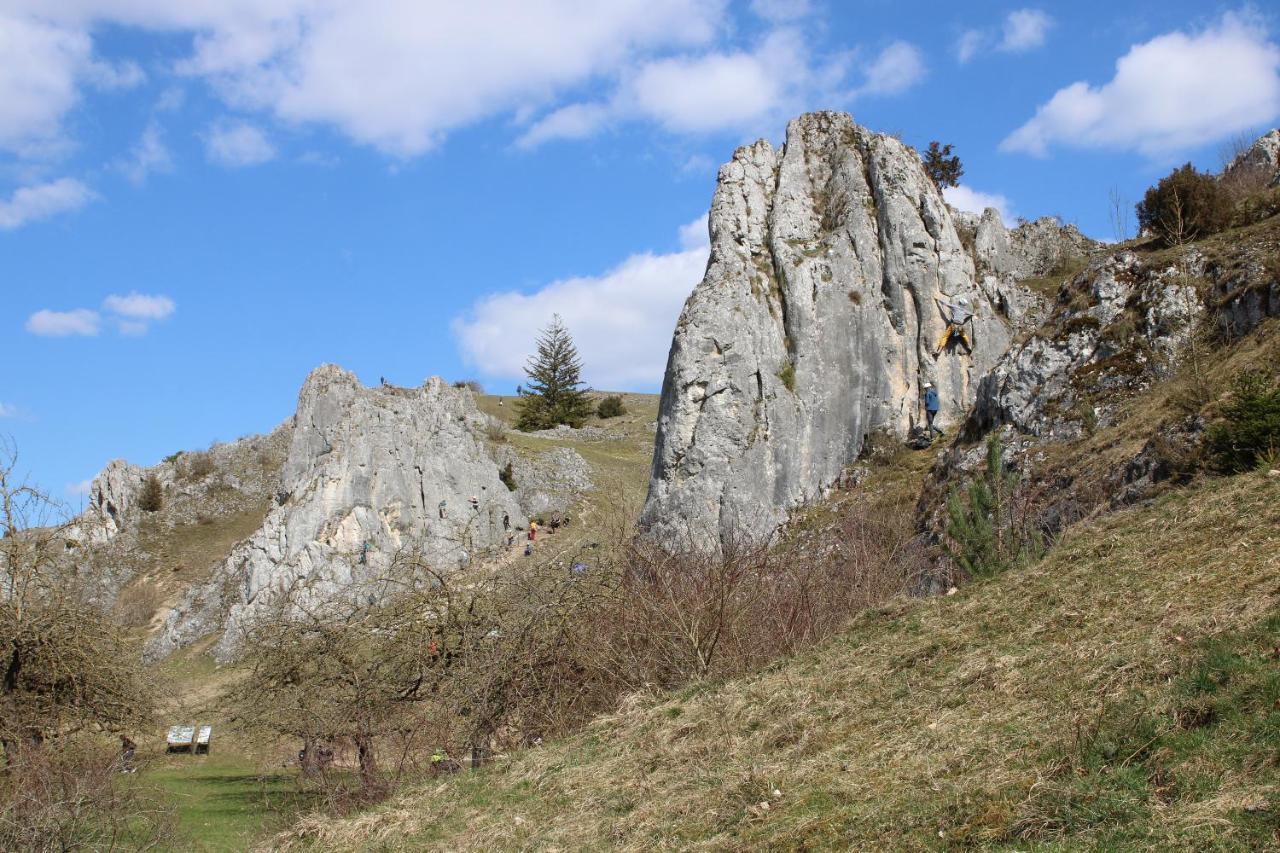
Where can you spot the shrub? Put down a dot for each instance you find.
(986, 536)
(473, 384)
(508, 477)
(1183, 206)
(611, 407)
(1249, 430)
(136, 604)
(151, 498)
(787, 373)
(197, 466)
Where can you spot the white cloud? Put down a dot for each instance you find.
(777, 11)
(1175, 92)
(975, 201)
(237, 144)
(148, 156)
(31, 204)
(1025, 29)
(61, 324)
(38, 79)
(134, 313)
(969, 43)
(621, 320)
(80, 489)
(575, 121)
(140, 306)
(894, 70)
(748, 91)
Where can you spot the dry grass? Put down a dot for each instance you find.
(929, 723)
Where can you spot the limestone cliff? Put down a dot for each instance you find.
(370, 472)
(816, 324)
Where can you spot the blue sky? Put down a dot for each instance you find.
(201, 200)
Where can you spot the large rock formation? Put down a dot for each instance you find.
(370, 472)
(816, 323)
(1259, 165)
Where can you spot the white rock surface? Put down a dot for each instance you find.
(1263, 158)
(814, 325)
(366, 465)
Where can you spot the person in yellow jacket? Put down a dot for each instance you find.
(957, 314)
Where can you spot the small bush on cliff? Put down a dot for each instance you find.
(610, 407)
(983, 526)
(151, 498)
(508, 477)
(943, 167)
(554, 394)
(1249, 432)
(1185, 205)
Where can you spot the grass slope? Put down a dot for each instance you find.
(1124, 692)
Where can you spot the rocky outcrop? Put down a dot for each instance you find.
(370, 473)
(1258, 165)
(112, 505)
(547, 483)
(816, 324)
(1119, 324)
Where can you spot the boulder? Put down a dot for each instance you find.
(816, 324)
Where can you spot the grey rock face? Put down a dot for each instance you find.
(1262, 161)
(370, 471)
(815, 325)
(550, 482)
(1132, 324)
(113, 500)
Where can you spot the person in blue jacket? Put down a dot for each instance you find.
(931, 406)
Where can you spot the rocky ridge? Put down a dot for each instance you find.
(369, 472)
(816, 324)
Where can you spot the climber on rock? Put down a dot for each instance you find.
(958, 314)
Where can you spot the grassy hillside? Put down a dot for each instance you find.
(1122, 692)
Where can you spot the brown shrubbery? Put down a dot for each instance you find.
(423, 672)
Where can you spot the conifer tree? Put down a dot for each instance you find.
(554, 394)
(984, 536)
(942, 166)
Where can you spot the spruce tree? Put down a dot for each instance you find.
(554, 394)
(984, 537)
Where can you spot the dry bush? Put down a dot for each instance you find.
(137, 603)
(196, 466)
(419, 664)
(72, 798)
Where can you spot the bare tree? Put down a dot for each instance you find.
(69, 677)
(1119, 208)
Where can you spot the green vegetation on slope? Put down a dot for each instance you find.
(1120, 692)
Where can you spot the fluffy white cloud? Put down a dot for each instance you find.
(1175, 92)
(975, 201)
(894, 70)
(61, 324)
(746, 91)
(237, 144)
(140, 306)
(31, 204)
(39, 78)
(621, 321)
(1025, 29)
(149, 156)
(1021, 31)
